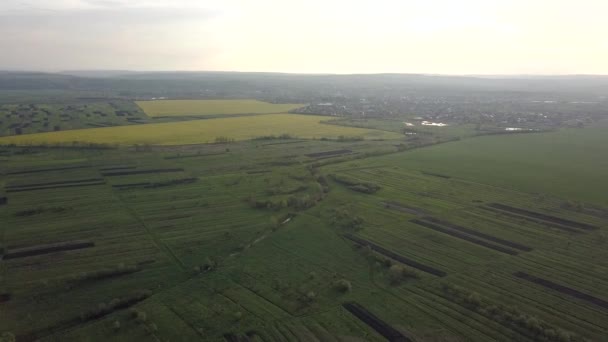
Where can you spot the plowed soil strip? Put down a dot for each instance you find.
(130, 185)
(47, 170)
(563, 289)
(139, 172)
(400, 207)
(463, 237)
(55, 186)
(46, 249)
(479, 234)
(436, 174)
(17, 186)
(396, 256)
(193, 155)
(530, 219)
(375, 323)
(328, 153)
(117, 167)
(544, 217)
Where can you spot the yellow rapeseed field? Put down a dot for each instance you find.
(211, 107)
(202, 131)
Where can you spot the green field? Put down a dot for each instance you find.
(569, 163)
(158, 108)
(262, 239)
(203, 131)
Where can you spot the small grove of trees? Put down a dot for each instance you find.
(283, 136)
(355, 184)
(507, 315)
(344, 138)
(346, 220)
(223, 140)
(396, 272)
(297, 202)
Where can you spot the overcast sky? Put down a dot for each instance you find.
(308, 36)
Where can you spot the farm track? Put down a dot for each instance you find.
(159, 243)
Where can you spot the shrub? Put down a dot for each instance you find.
(395, 274)
(223, 140)
(343, 285)
(141, 317)
(398, 273)
(7, 337)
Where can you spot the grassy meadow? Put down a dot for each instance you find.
(158, 108)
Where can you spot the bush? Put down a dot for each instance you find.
(8, 337)
(398, 273)
(141, 317)
(343, 285)
(223, 140)
(355, 184)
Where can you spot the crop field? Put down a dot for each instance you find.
(301, 239)
(159, 108)
(203, 131)
(568, 163)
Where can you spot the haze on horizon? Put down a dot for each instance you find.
(314, 36)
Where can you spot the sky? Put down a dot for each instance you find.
(307, 36)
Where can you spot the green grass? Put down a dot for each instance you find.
(569, 163)
(158, 108)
